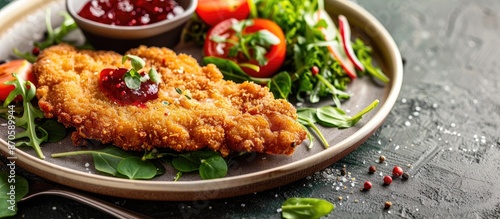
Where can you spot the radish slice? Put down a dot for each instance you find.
(338, 53)
(345, 33)
(335, 48)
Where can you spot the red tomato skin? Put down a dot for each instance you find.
(213, 12)
(275, 55)
(23, 70)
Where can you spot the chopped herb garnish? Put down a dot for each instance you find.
(133, 78)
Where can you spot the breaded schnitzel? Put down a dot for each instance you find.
(219, 115)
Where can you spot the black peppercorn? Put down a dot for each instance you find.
(372, 169)
(343, 171)
(406, 176)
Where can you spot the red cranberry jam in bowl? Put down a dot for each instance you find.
(123, 24)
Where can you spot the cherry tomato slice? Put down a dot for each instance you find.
(214, 11)
(275, 54)
(22, 68)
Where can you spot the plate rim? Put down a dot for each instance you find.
(177, 191)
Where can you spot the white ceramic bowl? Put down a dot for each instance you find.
(121, 38)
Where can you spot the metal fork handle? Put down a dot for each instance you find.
(111, 209)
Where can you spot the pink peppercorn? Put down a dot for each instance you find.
(387, 180)
(397, 171)
(367, 185)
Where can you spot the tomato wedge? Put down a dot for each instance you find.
(213, 12)
(21, 67)
(275, 55)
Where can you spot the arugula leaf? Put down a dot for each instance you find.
(27, 90)
(364, 55)
(26, 55)
(54, 35)
(306, 208)
(12, 190)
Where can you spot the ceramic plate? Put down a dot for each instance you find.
(22, 22)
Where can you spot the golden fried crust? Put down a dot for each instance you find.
(220, 115)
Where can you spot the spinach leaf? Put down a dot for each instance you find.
(119, 163)
(329, 116)
(209, 164)
(229, 69)
(12, 189)
(184, 164)
(336, 117)
(136, 168)
(307, 117)
(280, 85)
(306, 208)
(213, 167)
(107, 162)
(56, 130)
